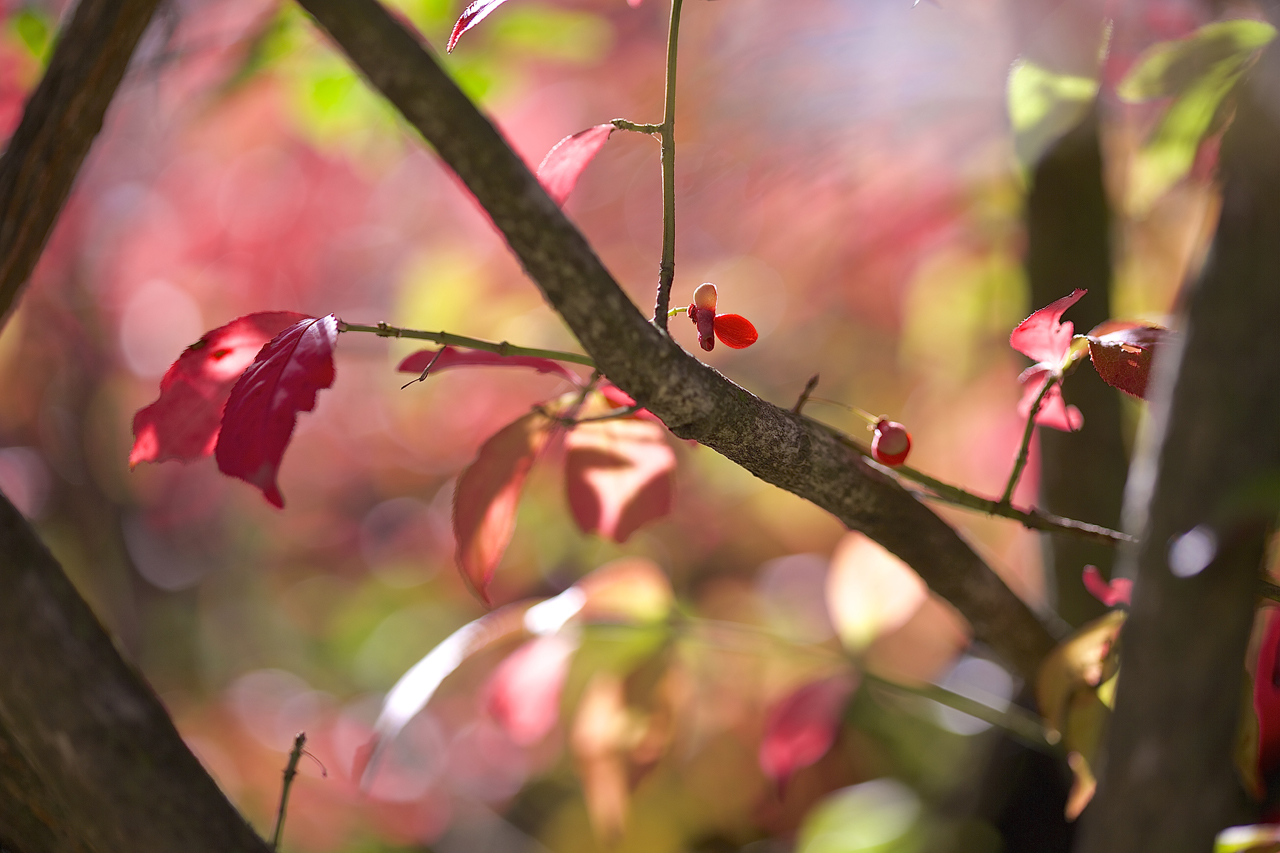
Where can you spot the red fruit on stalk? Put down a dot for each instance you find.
(891, 444)
(733, 330)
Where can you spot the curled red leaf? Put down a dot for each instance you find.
(487, 495)
(263, 408)
(449, 357)
(1054, 411)
(564, 163)
(1122, 353)
(472, 15)
(183, 422)
(523, 694)
(1043, 336)
(802, 727)
(1118, 591)
(735, 331)
(617, 476)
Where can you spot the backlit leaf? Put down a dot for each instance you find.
(487, 495)
(523, 694)
(1054, 411)
(1118, 591)
(450, 357)
(622, 400)
(630, 589)
(618, 476)
(1123, 353)
(263, 408)
(1043, 106)
(870, 592)
(1257, 838)
(184, 422)
(564, 163)
(1043, 337)
(802, 727)
(1168, 69)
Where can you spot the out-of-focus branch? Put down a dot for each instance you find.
(1167, 780)
(694, 400)
(61, 120)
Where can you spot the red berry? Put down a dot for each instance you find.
(891, 444)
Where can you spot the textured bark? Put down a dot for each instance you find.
(1082, 474)
(1167, 779)
(694, 400)
(60, 122)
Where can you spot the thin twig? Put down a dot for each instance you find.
(667, 267)
(804, 395)
(426, 370)
(616, 414)
(647, 129)
(383, 330)
(1025, 449)
(290, 771)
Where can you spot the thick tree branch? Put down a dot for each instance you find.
(1167, 780)
(695, 401)
(61, 120)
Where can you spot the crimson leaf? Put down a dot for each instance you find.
(1042, 336)
(1122, 353)
(560, 169)
(448, 357)
(472, 15)
(802, 727)
(263, 408)
(617, 476)
(523, 694)
(183, 422)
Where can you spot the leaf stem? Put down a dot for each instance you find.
(383, 330)
(648, 129)
(667, 267)
(1025, 449)
(290, 771)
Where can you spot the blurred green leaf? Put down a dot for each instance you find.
(880, 816)
(1263, 838)
(550, 33)
(34, 30)
(1044, 105)
(1170, 68)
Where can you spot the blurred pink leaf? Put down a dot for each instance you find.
(1054, 411)
(262, 411)
(629, 589)
(1118, 591)
(184, 422)
(472, 15)
(565, 161)
(802, 727)
(1043, 336)
(1122, 353)
(487, 495)
(870, 592)
(618, 476)
(450, 357)
(523, 694)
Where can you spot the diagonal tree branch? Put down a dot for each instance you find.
(694, 400)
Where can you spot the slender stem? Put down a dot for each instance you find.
(648, 129)
(616, 414)
(804, 395)
(382, 330)
(667, 267)
(1025, 450)
(290, 771)
(862, 413)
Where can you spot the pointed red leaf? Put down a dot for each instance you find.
(1122, 353)
(1118, 591)
(560, 169)
(802, 727)
(472, 15)
(454, 357)
(1042, 336)
(1266, 698)
(523, 694)
(183, 423)
(264, 404)
(735, 331)
(1054, 411)
(487, 495)
(618, 476)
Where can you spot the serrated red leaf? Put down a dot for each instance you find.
(487, 495)
(564, 163)
(450, 357)
(1042, 336)
(617, 476)
(183, 422)
(523, 694)
(1122, 353)
(802, 727)
(1054, 411)
(1118, 591)
(263, 408)
(472, 15)
(735, 331)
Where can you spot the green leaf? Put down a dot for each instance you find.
(34, 30)
(880, 816)
(1171, 68)
(1045, 105)
(1263, 838)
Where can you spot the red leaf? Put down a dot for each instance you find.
(523, 694)
(264, 404)
(1119, 591)
(1266, 699)
(563, 164)
(622, 400)
(1042, 336)
(618, 476)
(183, 423)
(1122, 353)
(1054, 411)
(487, 495)
(453, 357)
(472, 15)
(735, 331)
(802, 727)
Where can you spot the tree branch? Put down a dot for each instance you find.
(693, 400)
(62, 118)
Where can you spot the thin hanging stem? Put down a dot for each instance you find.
(667, 131)
(1025, 450)
(290, 771)
(382, 330)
